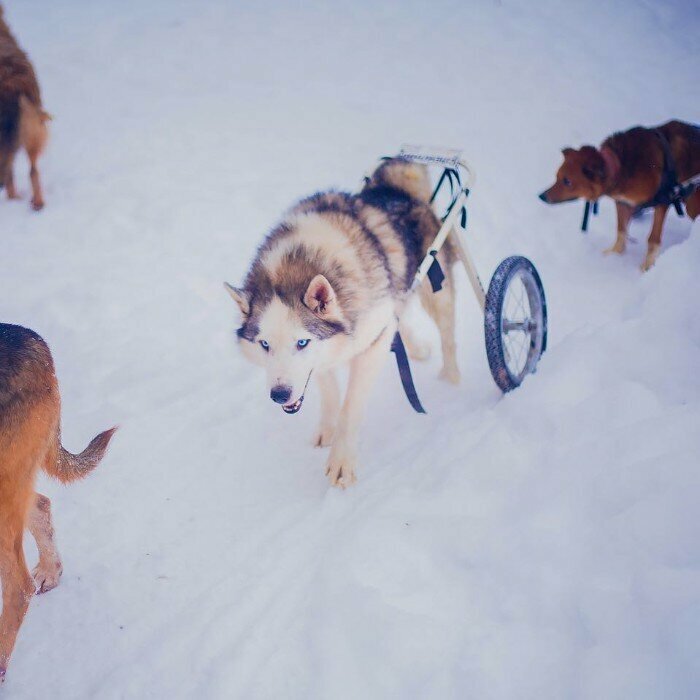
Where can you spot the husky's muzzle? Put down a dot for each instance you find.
(296, 406)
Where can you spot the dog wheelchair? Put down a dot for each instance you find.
(514, 307)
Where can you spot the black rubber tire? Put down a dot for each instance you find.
(493, 312)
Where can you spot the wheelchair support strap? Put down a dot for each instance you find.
(397, 347)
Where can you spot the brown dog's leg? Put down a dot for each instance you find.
(10, 179)
(17, 584)
(624, 214)
(692, 205)
(655, 236)
(49, 569)
(37, 194)
(33, 136)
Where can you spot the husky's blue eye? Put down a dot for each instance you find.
(301, 344)
(265, 345)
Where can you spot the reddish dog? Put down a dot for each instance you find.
(22, 118)
(29, 441)
(634, 168)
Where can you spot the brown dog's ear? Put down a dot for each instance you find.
(567, 151)
(321, 300)
(593, 166)
(241, 297)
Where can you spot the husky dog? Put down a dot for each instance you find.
(327, 287)
(30, 440)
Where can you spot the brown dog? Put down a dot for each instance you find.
(635, 168)
(22, 118)
(30, 440)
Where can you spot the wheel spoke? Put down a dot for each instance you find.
(517, 326)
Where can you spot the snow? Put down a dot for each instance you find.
(545, 544)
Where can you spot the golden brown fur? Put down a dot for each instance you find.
(628, 167)
(30, 441)
(22, 117)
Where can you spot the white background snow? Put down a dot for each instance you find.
(545, 544)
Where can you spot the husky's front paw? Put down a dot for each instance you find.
(47, 575)
(323, 437)
(450, 374)
(340, 468)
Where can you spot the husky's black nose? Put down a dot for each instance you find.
(543, 196)
(281, 394)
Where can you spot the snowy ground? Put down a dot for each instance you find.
(541, 545)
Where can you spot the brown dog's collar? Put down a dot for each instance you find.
(612, 167)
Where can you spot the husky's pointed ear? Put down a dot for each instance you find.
(567, 151)
(240, 296)
(321, 299)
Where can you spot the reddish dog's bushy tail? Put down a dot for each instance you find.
(67, 467)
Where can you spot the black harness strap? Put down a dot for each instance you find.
(398, 348)
(586, 213)
(435, 273)
(669, 192)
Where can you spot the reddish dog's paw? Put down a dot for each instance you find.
(37, 204)
(46, 576)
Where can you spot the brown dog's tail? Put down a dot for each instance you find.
(67, 467)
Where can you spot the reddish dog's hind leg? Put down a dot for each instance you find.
(692, 204)
(37, 194)
(33, 135)
(10, 178)
(49, 569)
(655, 236)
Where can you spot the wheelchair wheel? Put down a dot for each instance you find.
(515, 322)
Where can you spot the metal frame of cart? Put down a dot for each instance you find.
(514, 307)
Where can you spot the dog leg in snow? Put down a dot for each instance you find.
(364, 368)
(330, 407)
(654, 243)
(17, 584)
(33, 135)
(624, 214)
(441, 308)
(692, 205)
(10, 178)
(48, 571)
